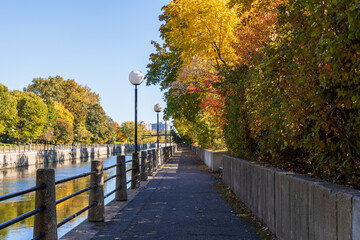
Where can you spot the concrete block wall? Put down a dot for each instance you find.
(212, 159)
(294, 206)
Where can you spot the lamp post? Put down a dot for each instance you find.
(170, 136)
(75, 138)
(13, 130)
(136, 78)
(51, 138)
(157, 109)
(165, 131)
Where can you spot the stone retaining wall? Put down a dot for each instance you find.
(212, 159)
(294, 206)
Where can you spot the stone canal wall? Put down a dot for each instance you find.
(28, 156)
(46, 156)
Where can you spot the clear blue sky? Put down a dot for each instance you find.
(96, 43)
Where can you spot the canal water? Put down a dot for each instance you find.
(13, 180)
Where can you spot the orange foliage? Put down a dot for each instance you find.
(254, 31)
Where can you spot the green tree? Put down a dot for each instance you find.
(31, 117)
(8, 110)
(96, 123)
(111, 133)
(51, 115)
(128, 130)
(49, 88)
(82, 134)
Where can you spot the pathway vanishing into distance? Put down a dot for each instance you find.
(179, 202)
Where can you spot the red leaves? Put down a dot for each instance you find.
(194, 90)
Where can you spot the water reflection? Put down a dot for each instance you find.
(19, 179)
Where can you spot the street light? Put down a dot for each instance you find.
(75, 138)
(51, 138)
(157, 109)
(170, 136)
(165, 131)
(136, 78)
(13, 130)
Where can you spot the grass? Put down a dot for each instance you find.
(242, 211)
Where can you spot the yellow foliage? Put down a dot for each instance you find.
(63, 113)
(202, 28)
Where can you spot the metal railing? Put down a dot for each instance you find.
(23, 216)
(45, 217)
(37, 147)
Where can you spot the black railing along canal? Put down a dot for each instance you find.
(45, 221)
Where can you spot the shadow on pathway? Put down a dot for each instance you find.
(179, 202)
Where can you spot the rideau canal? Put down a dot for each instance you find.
(12, 180)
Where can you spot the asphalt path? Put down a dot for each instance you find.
(179, 202)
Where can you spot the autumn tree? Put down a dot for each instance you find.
(63, 131)
(128, 130)
(311, 68)
(75, 104)
(119, 135)
(198, 43)
(8, 111)
(75, 98)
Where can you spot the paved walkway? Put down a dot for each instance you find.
(179, 202)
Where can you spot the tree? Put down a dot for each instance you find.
(49, 88)
(63, 131)
(119, 135)
(110, 134)
(96, 123)
(75, 98)
(128, 130)
(311, 67)
(8, 111)
(202, 28)
(31, 117)
(63, 113)
(51, 115)
(82, 134)
(199, 38)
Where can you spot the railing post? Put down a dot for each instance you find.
(160, 155)
(144, 166)
(121, 195)
(96, 213)
(154, 159)
(135, 172)
(45, 221)
(150, 162)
